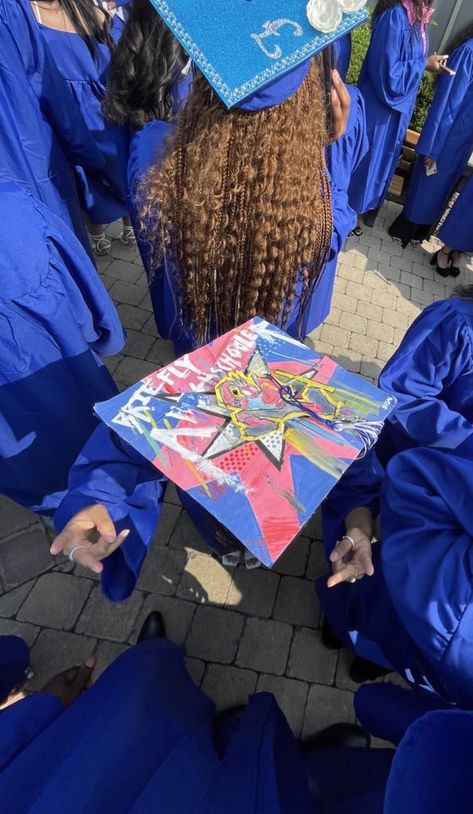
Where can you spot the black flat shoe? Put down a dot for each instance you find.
(329, 639)
(362, 670)
(443, 272)
(454, 271)
(336, 736)
(153, 628)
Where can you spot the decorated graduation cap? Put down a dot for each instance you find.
(255, 427)
(242, 46)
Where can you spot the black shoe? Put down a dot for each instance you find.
(329, 638)
(443, 272)
(361, 670)
(454, 271)
(153, 628)
(338, 735)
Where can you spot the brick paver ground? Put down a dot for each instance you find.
(240, 631)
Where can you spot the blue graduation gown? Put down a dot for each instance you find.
(41, 133)
(343, 55)
(103, 196)
(416, 610)
(14, 659)
(447, 136)
(142, 739)
(55, 317)
(343, 157)
(389, 81)
(457, 230)
(109, 471)
(430, 768)
(431, 375)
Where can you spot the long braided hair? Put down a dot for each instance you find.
(239, 207)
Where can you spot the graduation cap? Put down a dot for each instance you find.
(255, 427)
(241, 46)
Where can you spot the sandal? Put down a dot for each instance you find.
(127, 236)
(231, 559)
(251, 561)
(101, 244)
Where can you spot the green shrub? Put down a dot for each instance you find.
(360, 42)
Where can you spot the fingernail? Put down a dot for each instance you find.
(333, 557)
(125, 533)
(90, 662)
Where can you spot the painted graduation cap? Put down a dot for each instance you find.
(255, 427)
(242, 45)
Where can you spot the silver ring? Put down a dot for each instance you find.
(76, 548)
(350, 539)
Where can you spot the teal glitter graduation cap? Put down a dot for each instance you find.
(242, 45)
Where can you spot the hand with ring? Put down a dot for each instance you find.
(88, 538)
(351, 557)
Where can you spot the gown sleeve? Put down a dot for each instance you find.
(447, 104)
(110, 472)
(22, 722)
(51, 89)
(427, 556)
(393, 79)
(434, 353)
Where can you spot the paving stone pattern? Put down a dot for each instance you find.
(243, 630)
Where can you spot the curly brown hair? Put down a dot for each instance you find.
(240, 207)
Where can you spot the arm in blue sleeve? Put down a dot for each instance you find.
(427, 558)
(110, 472)
(447, 104)
(394, 80)
(435, 351)
(22, 722)
(359, 487)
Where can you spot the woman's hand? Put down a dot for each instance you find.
(340, 102)
(352, 560)
(436, 63)
(88, 538)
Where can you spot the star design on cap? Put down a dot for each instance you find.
(258, 405)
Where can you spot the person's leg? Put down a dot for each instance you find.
(101, 244)
(14, 660)
(127, 236)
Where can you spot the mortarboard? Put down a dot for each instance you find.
(241, 46)
(255, 427)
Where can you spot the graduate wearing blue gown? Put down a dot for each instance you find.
(41, 133)
(131, 102)
(84, 66)
(447, 139)
(144, 738)
(389, 81)
(414, 615)
(55, 318)
(431, 376)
